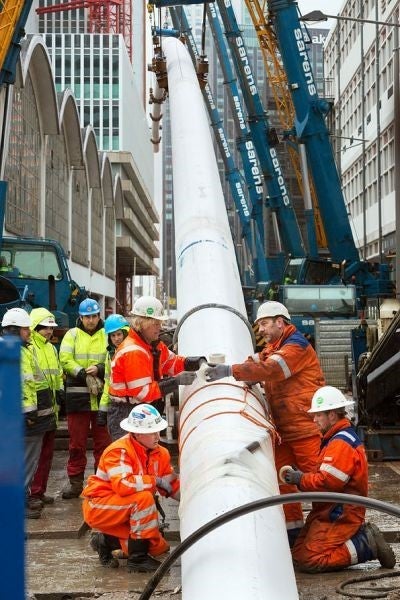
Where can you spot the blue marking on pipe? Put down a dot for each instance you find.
(200, 242)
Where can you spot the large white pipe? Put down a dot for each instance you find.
(248, 558)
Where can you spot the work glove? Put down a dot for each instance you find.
(192, 363)
(186, 377)
(101, 418)
(293, 476)
(31, 418)
(217, 372)
(164, 483)
(167, 385)
(82, 375)
(94, 384)
(170, 384)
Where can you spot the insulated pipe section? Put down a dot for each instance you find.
(226, 437)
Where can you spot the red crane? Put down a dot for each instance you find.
(104, 16)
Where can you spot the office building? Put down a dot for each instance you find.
(363, 61)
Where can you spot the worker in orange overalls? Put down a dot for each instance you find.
(143, 368)
(119, 498)
(335, 535)
(290, 371)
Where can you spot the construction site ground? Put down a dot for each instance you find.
(60, 565)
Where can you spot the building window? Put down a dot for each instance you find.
(23, 164)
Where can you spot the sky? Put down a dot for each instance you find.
(330, 7)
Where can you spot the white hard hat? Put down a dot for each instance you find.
(18, 317)
(328, 398)
(42, 316)
(150, 307)
(144, 418)
(272, 309)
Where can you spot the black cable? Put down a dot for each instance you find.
(258, 505)
(374, 593)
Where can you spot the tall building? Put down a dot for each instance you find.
(110, 93)
(316, 38)
(361, 58)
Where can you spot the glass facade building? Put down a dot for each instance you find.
(89, 64)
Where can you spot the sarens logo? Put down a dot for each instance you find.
(246, 66)
(281, 181)
(298, 34)
(255, 171)
(242, 199)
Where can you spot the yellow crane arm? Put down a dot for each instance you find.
(10, 12)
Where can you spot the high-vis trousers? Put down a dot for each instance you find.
(325, 546)
(134, 516)
(303, 453)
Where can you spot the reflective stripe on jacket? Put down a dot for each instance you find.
(105, 396)
(80, 350)
(291, 373)
(126, 467)
(28, 386)
(134, 371)
(342, 467)
(48, 379)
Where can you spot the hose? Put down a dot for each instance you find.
(239, 511)
(213, 305)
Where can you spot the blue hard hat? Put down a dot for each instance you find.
(114, 323)
(88, 307)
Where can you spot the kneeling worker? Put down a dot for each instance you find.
(335, 535)
(119, 498)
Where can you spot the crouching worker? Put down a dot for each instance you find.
(119, 498)
(335, 535)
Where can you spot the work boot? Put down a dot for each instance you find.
(74, 488)
(31, 513)
(293, 535)
(47, 499)
(138, 559)
(379, 546)
(35, 503)
(104, 544)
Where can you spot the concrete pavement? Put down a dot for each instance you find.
(60, 565)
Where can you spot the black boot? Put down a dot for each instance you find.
(138, 559)
(73, 489)
(104, 544)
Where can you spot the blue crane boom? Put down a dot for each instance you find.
(311, 130)
(251, 166)
(263, 137)
(278, 199)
